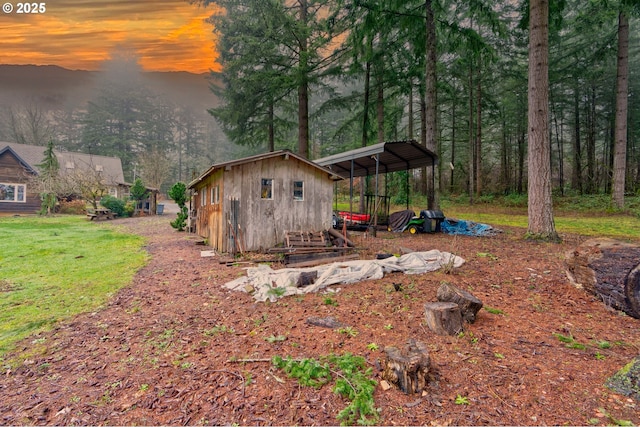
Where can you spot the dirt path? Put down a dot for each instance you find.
(161, 351)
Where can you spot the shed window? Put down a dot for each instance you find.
(266, 191)
(215, 194)
(203, 197)
(12, 192)
(298, 190)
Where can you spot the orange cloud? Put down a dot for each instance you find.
(166, 35)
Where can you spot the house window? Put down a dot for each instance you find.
(298, 190)
(13, 192)
(203, 197)
(215, 195)
(266, 190)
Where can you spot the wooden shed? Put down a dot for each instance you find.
(250, 203)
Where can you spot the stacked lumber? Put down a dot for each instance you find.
(309, 248)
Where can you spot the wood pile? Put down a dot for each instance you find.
(310, 248)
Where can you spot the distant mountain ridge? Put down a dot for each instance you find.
(53, 84)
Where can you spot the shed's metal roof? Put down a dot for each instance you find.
(393, 156)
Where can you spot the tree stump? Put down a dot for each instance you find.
(469, 305)
(608, 269)
(408, 367)
(627, 380)
(443, 318)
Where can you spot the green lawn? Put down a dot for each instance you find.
(588, 215)
(54, 268)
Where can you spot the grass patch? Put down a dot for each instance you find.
(587, 215)
(54, 268)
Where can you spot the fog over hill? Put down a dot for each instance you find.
(119, 110)
(51, 86)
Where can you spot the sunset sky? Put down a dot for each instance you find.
(166, 35)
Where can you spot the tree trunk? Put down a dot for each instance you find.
(271, 129)
(540, 210)
(622, 89)
(303, 87)
(591, 142)
(453, 145)
(478, 148)
(410, 112)
(365, 125)
(431, 105)
(576, 176)
(521, 153)
(380, 102)
(472, 146)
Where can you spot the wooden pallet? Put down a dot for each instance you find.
(305, 239)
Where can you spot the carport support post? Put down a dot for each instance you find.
(350, 193)
(375, 204)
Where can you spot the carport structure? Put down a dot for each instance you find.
(380, 158)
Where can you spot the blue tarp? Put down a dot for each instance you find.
(467, 228)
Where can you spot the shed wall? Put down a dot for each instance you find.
(263, 222)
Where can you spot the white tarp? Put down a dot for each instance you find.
(269, 284)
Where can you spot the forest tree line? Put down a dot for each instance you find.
(324, 76)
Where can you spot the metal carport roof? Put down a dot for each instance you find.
(392, 157)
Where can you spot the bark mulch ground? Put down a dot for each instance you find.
(165, 350)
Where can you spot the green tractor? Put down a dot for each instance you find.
(408, 221)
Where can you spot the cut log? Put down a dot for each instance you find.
(469, 305)
(339, 235)
(608, 269)
(408, 367)
(443, 318)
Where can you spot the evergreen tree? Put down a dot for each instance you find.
(48, 180)
(138, 193)
(178, 193)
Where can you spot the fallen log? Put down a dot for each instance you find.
(313, 263)
(339, 235)
(469, 305)
(443, 318)
(408, 367)
(608, 269)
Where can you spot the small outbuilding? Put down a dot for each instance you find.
(250, 203)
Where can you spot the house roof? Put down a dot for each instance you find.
(280, 153)
(28, 155)
(32, 155)
(393, 156)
